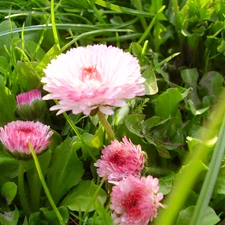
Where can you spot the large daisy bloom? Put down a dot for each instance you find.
(92, 77)
(135, 200)
(16, 135)
(119, 160)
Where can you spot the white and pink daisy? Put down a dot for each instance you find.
(16, 135)
(28, 97)
(93, 77)
(135, 200)
(119, 160)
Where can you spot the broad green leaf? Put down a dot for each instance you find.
(32, 47)
(6, 40)
(7, 104)
(155, 6)
(219, 187)
(151, 86)
(190, 78)
(94, 141)
(9, 218)
(195, 111)
(121, 114)
(211, 83)
(53, 219)
(25, 222)
(8, 191)
(8, 165)
(65, 170)
(51, 54)
(35, 219)
(166, 135)
(28, 78)
(166, 183)
(3, 65)
(81, 196)
(136, 49)
(210, 217)
(167, 103)
(133, 123)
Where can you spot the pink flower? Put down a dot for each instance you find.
(120, 159)
(135, 201)
(28, 97)
(93, 77)
(15, 136)
(30, 106)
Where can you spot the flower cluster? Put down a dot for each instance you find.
(134, 199)
(85, 80)
(16, 135)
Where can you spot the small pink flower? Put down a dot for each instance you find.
(135, 200)
(120, 159)
(28, 97)
(16, 135)
(93, 77)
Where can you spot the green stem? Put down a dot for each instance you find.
(176, 12)
(210, 178)
(54, 29)
(34, 184)
(44, 184)
(148, 29)
(21, 187)
(106, 125)
(142, 19)
(94, 197)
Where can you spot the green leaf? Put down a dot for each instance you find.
(151, 86)
(166, 183)
(53, 219)
(51, 54)
(3, 65)
(35, 219)
(136, 49)
(209, 218)
(32, 47)
(8, 191)
(80, 197)
(190, 78)
(9, 218)
(65, 170)
(6, 40)
(211, 83)
(133, 123)
(8, 165)
(28, 78)
(167, 103)
(195, 111)
(7, 104)
(219, 187)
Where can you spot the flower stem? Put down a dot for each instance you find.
(106, 125)
(21, 188)
(40, 174)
